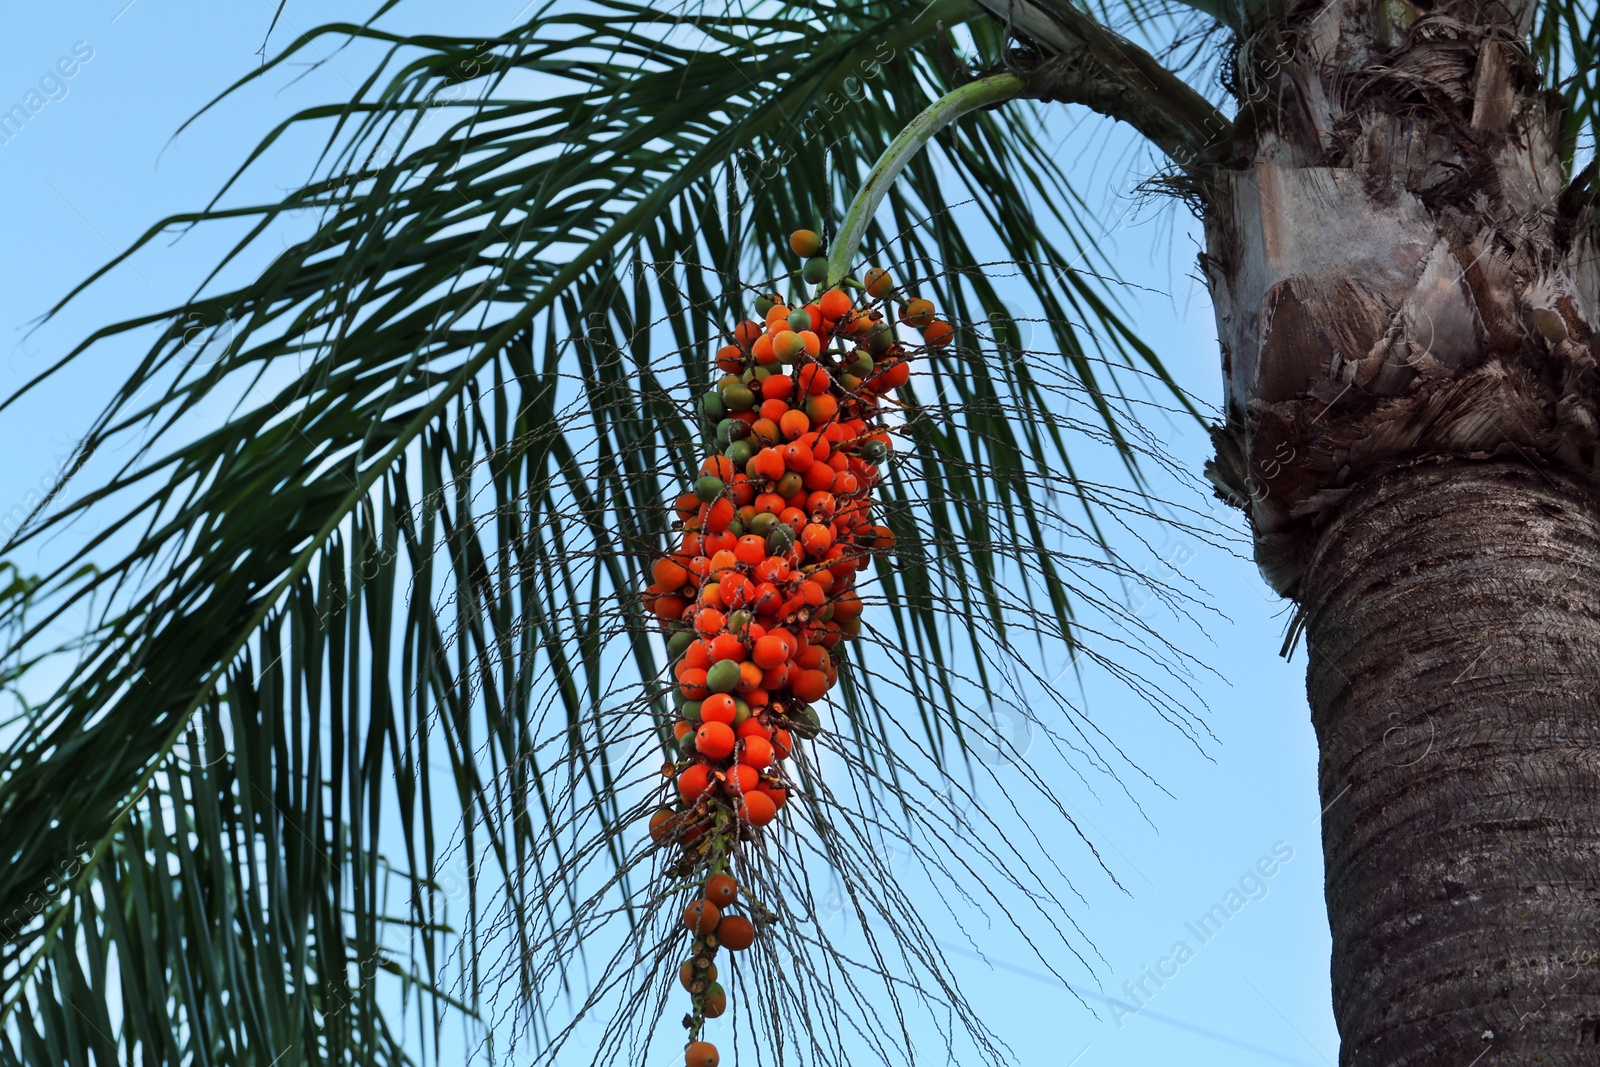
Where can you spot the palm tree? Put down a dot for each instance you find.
(365, 666)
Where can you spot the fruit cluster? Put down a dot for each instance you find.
(760, 588)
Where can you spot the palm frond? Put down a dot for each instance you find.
(381, 625)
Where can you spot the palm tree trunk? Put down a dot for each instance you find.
(1453, 628)
(1407, 298)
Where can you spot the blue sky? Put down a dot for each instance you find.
(97, 164)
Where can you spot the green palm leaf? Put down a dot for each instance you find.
(393, 596)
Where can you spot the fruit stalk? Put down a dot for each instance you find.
(984, 92)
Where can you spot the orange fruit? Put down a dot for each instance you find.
(794, 423)
(810, 685)
(765, 430)
(661, 823)
(752, 728)
(718, 707)
(750, 550)
(719, 514)
(735, 932)
(769, 652)
(879, 283)
(726, 646)
(689, 973)
(805, 243)
(736, 589)
(835, 304)
(816, 477)
(762, 351)
(746, 332)
(777, 387)
(917, 312)
(750, 678)
(694, 783)
(813, 379)
(669, 574)
(755, 752)
(938, 332)
(692, 684)
(701, 917)
(701, 1054)
(742, 779)
(721, 890)
(757, 809)
(669, 607)
(714, 740)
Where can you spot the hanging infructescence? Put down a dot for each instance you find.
(760, 586)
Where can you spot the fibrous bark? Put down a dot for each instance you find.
(1395, 270)
(1453, 629)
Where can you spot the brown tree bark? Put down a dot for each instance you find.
(1453, 628)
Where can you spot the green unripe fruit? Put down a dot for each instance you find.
(711, 406)
(708, 488)
(851, 382)
(739, 620)
(691, 711)
(736, 528)
(874, 452)
(780, 540)
(880, 338)
(763, 373)
(741, 711)
(790, 484)
(679, 643)
(740, 453)
(762, 524)
(732, 430)
(738, 397)
(861, 364)
(804, 722)
(799, 319)
(765, 303)
(723, 677)
(815, 271)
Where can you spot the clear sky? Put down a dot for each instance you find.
(97, 164)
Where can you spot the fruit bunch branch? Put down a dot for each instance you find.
(985, 92)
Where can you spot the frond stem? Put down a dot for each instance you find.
(984, 92)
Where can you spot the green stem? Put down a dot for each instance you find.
(995, 89)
